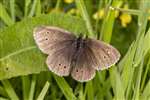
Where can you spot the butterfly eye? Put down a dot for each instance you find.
(64, 66)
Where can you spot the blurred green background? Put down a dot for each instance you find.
(125, 24)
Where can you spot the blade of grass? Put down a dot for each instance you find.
(12, 9)
(90, 91)
(38, 8)
(58, 5)
(146, 93)
(25, 86)
(32, 88)
(27, 3)
(117, 84)
(139, 57)
(3, 92)
(81, 7)
(4, 16)
(43, 92)
(129, 11)
(65, 88)
(138, 81)
(108, 22)
(9, 89)
(32, 11)
(145, 74)
(2, 98)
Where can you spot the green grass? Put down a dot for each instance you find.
(24, 74)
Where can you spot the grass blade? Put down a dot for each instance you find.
(9, 89)
(90, 91)
(65, 88)
(43, 92)
(27, 3)
(25, 86)
(32, 11)
(4, 16)
(32, 88)
(12, 9)
(85, 16)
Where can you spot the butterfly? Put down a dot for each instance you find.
(78, 56)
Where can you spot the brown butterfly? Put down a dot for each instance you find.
(67, 54)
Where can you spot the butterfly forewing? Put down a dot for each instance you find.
(105, 55)
(82, 70)
(47, 38)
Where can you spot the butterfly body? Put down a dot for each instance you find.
(80, 57)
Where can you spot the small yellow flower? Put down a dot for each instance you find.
(99, 14)
(125, 18)
(68, 1)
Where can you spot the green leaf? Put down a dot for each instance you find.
(18, 52)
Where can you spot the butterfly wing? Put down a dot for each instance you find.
(58, 44)
(47, 38)
(59, 62)
(82, 68)
(104, 54)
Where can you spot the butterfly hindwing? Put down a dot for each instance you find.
(82, 68)
(59, 62)
(105, 54)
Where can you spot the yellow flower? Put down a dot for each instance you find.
(99, 14)
(68, 1)
(125, 18)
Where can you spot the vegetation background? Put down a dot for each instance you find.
(123, 23)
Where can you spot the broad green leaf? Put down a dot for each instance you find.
(18, 52)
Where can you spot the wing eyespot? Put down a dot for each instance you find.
(47, 32)
(104, 57)
(77, 70)
(64, 66)
(59, 64)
